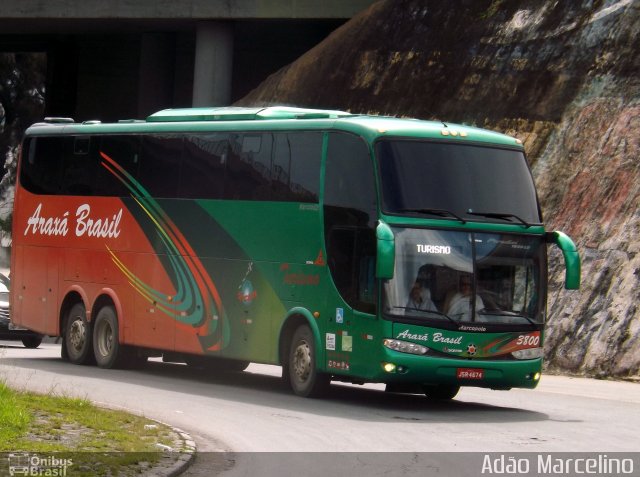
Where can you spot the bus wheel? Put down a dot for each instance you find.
(77, 336)
(106, 346)
(441, 392)
(304, 378)
(31, 341)
(64, 354)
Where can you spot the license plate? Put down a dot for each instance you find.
(470, 373)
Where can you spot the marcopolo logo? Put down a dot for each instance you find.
(246, 293)
(434, 249)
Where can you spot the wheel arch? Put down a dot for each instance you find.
(74, 295)
(296, 317)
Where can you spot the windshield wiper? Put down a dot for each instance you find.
(438, 212)
(507, 313)
(500, 215)
(411, 308)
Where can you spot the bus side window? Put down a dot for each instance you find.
(125, 151)
(203, 173)
(306, 155)
(42, 167)
(79, 168)
(295, 173)
(350, 216)
(249, 167)
(281, 168)
(160, 164)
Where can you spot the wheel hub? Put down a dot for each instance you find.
(105, 340)
(302, 361)
(77, 334)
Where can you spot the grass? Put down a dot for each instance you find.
(46, 424)
(14, 416)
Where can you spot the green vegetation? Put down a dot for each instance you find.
(98, 440)
(14, 417)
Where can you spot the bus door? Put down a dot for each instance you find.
(351, 252)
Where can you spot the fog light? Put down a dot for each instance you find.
(389, 367)
(536, 377)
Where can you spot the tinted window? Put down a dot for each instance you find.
(249, 167)
(82, 173)
(160, 165)
(42, 165)
(306, 153)
(295, 171)
(204, 166)
(125, 151)
(240, 166)
(459, 178)
(72, 165)
(350, 217)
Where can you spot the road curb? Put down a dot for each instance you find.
(186, 456)
(175, 460)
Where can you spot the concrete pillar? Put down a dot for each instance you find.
(213, 64)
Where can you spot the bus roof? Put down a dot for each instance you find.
(274, 118)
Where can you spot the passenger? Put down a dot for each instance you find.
(459, 306)
(420, 294)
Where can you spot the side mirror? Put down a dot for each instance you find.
(571, 258)
(386, 251)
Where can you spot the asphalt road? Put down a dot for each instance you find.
(251, 416)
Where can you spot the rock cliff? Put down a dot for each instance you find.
(563, 77)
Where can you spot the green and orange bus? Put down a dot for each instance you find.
(341, 247)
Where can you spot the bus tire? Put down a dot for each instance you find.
(77, 339)
(31, 342)
(441, 392)
(64, 354)
(107, 349)
(304, 378)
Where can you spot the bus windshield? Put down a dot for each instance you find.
(467, 277)
(445, 180)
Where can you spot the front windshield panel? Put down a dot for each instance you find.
(468, 180)
(467, 277)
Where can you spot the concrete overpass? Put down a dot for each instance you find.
(114, 59)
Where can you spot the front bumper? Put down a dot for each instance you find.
(430, 370)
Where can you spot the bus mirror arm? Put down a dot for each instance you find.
(386, 251)
(571, 258)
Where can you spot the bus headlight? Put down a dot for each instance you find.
(531, 353)
(405, 346)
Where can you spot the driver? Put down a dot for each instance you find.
(459, 307)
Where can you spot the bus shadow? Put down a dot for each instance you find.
(358, 403)
(17, 345)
